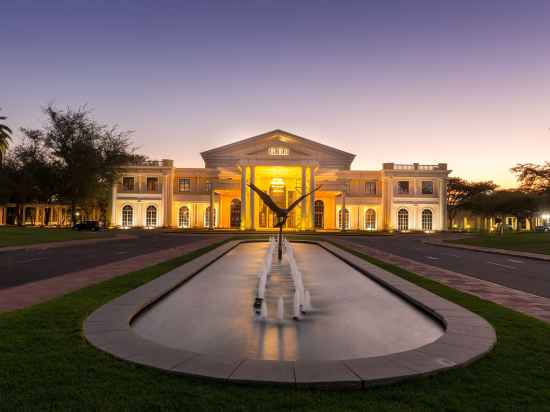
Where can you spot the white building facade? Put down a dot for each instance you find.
(400, 197)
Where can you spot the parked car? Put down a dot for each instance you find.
(93, 225)
(542, 229)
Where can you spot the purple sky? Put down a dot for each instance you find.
(467, 83)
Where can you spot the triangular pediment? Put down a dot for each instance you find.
(277, 145)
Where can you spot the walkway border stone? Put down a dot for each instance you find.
(516, 253)
(466, 337)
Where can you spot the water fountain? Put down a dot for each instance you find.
(301, 300)
(355, 317)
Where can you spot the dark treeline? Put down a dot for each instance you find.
(486, 200)
(72, 160)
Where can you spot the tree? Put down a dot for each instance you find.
(533, 177)
(460, 192)
(28, 174)
(87, 156)
(502, 203)
(5, 138)
(515, 203)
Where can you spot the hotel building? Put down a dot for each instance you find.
(404, 197)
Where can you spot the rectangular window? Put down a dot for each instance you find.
(152, 184)
(208, 186)
(128, 183)
(427, 187)
(370, 188)
(403, 187)
(184, 185)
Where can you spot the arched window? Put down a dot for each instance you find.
(370, 219)
(343, 223)
(427, 219)
(127, 216)
(403, 220)
(235, 215)
(183, 217)
(319, 215)
(151, 216)
(207, 217)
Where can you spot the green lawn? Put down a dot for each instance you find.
(45, 364)
(522, 241)
(15, 236)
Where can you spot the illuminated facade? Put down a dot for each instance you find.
(397, 197)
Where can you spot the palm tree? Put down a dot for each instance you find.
(5, 138)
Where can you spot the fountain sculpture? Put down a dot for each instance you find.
(282, 213)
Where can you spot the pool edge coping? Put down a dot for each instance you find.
(466, 338)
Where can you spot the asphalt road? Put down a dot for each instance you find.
(529, 275)
(22, 266)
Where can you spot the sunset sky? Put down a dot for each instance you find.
(467, 83)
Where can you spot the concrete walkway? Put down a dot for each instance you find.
(527, 303)
(19, 297)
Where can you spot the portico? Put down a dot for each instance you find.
(285, 182)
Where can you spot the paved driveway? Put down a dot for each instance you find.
(23, 266)
(523, 274)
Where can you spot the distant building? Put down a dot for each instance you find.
(397, 197)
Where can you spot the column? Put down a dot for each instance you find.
(312, 197)
(252, 176)
(169, 199)
(211, 210)
(165, 219)
(243, 197)
(343, 213)
(303, 225)
(443, 202)
(391, 224)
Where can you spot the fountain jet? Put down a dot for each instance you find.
(297, 312)
(280, 309)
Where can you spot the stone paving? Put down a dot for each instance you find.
(18, 297)
(533, 305)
